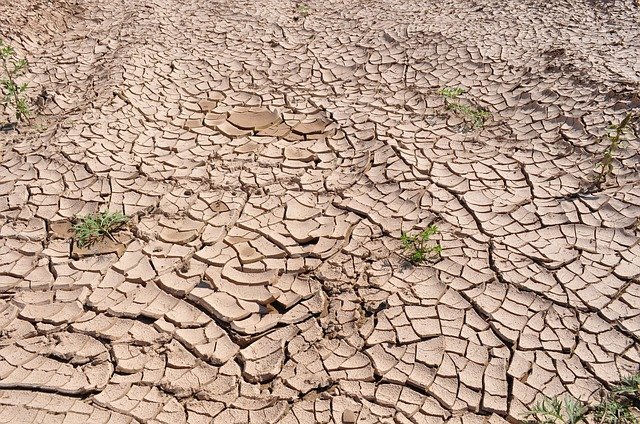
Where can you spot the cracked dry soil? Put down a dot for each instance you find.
(269, 160)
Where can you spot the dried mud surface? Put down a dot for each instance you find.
(269, 161)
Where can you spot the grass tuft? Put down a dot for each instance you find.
(417, 248)
(619, 406)
(475, 115)
(13, 93)
(555, 411)
(628, 386)
(451, 92)
(613, 411)
(94, 227)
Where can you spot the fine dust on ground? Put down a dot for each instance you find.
(270, 154)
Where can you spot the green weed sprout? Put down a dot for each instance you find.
(417, 248)
(13, 93)
(555, 411)
(616, 132)
(619, 406)
(451, 92)
(476, 115)
(92, 228)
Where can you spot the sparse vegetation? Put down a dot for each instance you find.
(92, 228)
(617, 407)
(451, 93)
(13, 93)
(555, 411)
(628, 386)
(303, 9)
(615, 135)
(613, 411)
(417, 247)
(475, 115)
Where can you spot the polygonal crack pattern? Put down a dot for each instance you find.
(269, 162)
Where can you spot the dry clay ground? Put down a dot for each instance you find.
(269, 161)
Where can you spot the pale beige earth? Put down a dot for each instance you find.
(269, 162)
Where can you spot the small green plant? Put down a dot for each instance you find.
(615, 135)
(417, 247)
(628, 386)
(553, 410)
(303, 10)
(614, 411)
(451, 92)
(476, 115)
(619, 406)
(92, 228)
(14, 93)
